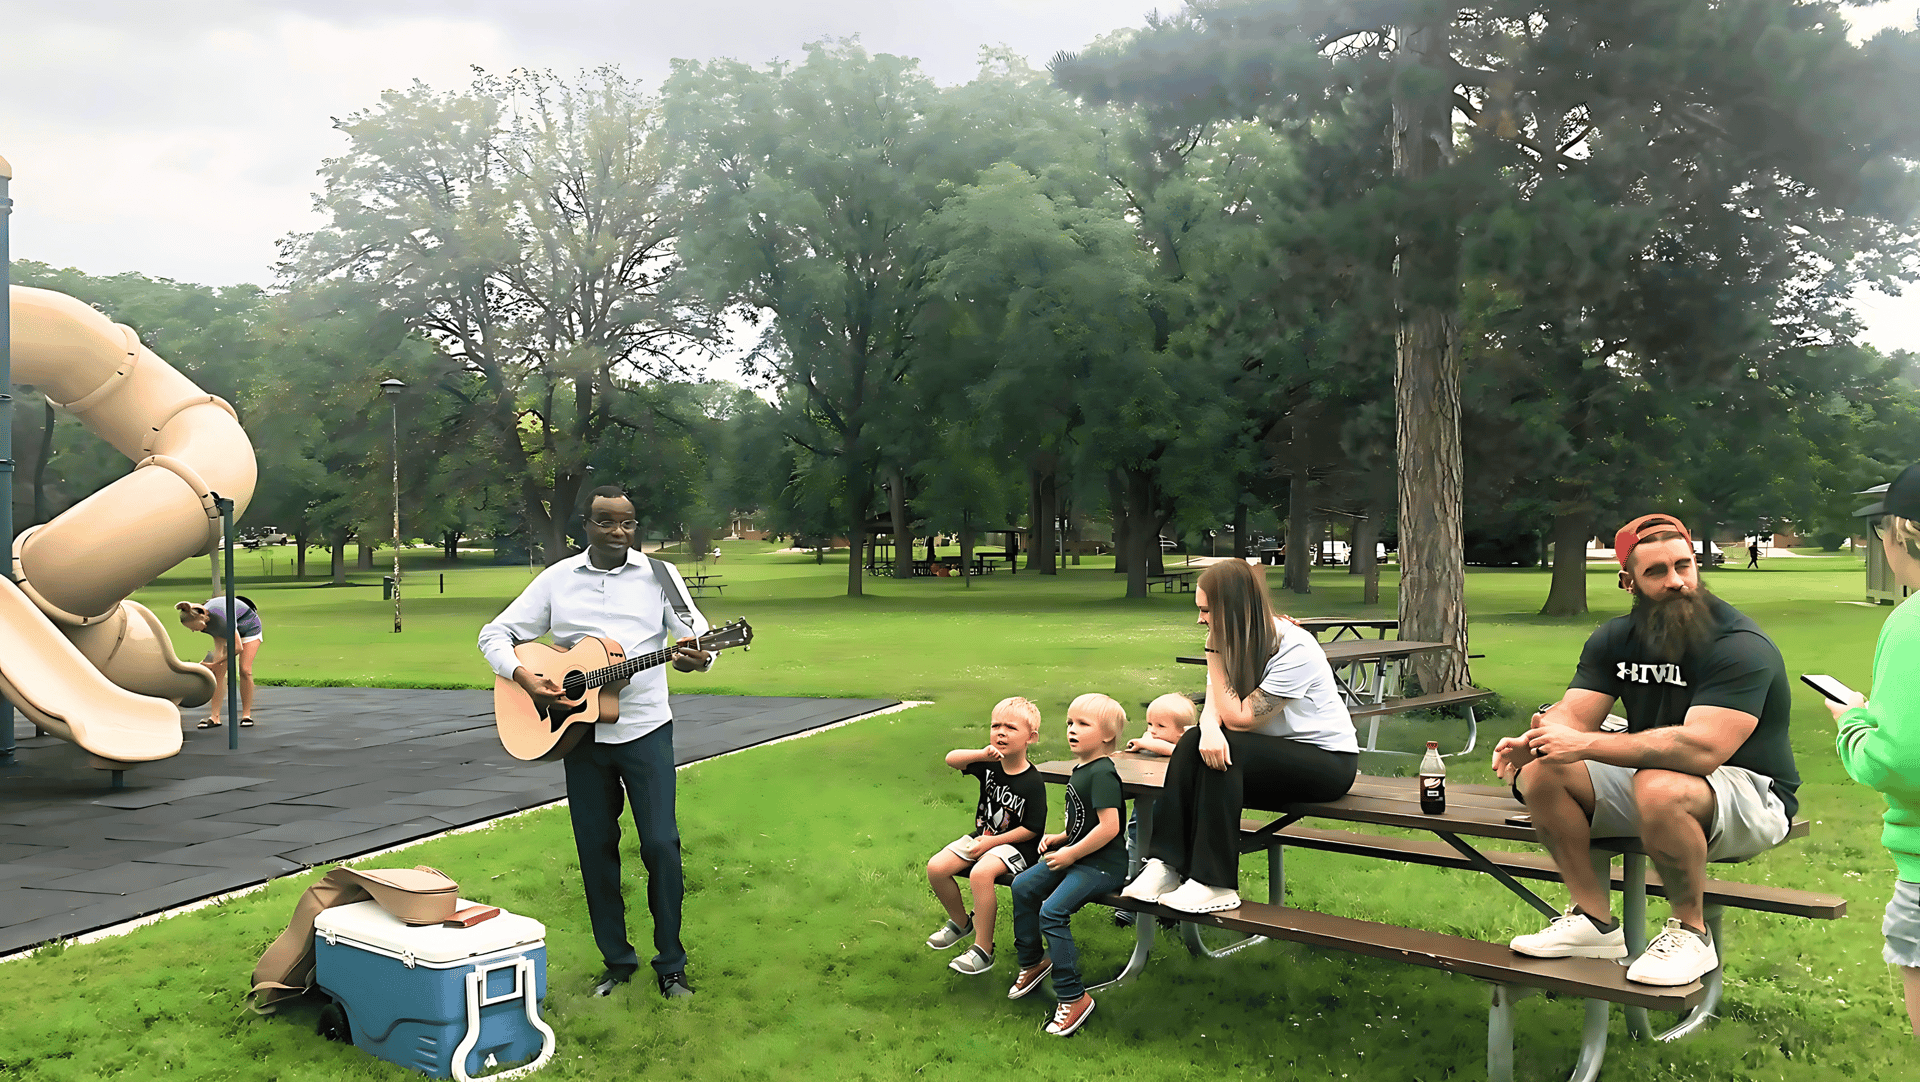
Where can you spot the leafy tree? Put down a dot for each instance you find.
(522, 226)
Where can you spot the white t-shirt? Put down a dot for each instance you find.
(1312, 711)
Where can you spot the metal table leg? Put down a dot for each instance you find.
(1633, 917)
(1698, 1016)
(1143, 923)
(1593, 1036)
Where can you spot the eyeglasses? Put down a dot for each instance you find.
(626, 524)
(1879, 528)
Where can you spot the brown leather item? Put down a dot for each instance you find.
(419, 895)
(472, 915)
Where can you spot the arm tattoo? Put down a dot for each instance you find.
(1260, 706)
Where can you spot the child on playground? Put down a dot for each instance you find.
(1082, 862)
(1007, 822)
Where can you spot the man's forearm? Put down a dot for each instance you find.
(1667, 748)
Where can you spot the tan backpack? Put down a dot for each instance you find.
(418, 895)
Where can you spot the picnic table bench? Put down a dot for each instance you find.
(1473, 811)
(1175, 580)
(699, 584)
(1348, 626)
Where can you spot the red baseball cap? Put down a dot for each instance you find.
(1642, 528)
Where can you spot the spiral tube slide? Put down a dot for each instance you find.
(75, 656)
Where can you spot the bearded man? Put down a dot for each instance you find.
(1704, 770)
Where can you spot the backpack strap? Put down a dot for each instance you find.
(676, 593)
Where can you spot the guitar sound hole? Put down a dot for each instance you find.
(575, 684)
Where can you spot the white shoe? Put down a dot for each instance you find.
(1572, 935)
(1155, 879)
(950, 933)
(1196, 897)
(1676, 956)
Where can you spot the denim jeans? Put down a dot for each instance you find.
(1044, 901)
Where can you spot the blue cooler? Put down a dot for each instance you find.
(451, 1002)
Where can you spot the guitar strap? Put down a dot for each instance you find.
(676, 594)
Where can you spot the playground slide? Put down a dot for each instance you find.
(74, 573)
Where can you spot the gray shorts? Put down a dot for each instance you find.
(1748, 816)
(1902, 926)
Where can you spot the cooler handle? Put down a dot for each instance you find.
(523, 987)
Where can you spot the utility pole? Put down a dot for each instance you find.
(6, 424)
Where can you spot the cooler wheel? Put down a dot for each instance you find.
(333, 1024)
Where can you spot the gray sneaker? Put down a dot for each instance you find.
(949, 934)
(973, 961)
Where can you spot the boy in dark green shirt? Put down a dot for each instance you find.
(1086, 860)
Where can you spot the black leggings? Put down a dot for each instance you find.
(1196, 819)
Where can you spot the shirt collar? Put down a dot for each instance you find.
(586, 564)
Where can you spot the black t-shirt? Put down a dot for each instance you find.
(1093, 786)
(1008, 801)
(1741, 669)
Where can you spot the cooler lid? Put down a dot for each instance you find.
(366, 924)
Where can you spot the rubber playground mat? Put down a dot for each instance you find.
(328, 774)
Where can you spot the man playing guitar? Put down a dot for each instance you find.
(614, 592)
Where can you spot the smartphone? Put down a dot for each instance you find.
(1828, 686)
(1521, 820)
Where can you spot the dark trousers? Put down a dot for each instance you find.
(1044, 902)
(1196, 818)
(599, 778)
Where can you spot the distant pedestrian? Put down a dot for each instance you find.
(211, 618)
(1753, 553)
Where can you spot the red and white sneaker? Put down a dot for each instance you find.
(1029, 978)
(1068, 1016)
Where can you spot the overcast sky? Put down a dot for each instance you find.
(179, 138)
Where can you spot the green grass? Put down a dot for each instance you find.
(808, 900)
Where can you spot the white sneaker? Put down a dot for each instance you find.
(1676, 956)
(1155, 879)
(973, 961)
(1196, 897)
(1572, 935)
(950, 933)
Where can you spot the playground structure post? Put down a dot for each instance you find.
(6, 422)
(392, 388)
(225, 507)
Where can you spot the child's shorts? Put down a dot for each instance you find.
(1902, 926)
(1015, 860)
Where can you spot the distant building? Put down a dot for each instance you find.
(1881, 587)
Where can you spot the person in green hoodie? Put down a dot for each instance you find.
(1880, 736)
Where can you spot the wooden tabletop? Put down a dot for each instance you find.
(1477, 811)
(1354, 651)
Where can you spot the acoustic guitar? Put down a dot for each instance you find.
(591, 672)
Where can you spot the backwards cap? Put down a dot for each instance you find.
(1642, 528)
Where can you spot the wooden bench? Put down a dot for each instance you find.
(1513, 976)
(1174, 580)
(700, 588)
(1371, 713)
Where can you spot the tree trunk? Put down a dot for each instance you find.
(1045, 503)
(1122, 536)
(897, 514)
(366, 554)
(1366, 558)
(40, 467)
(859, 498)
(1427, 373)
(1240, 545)
(1298, 575)
(338, 548)
(300, 555)
(450, 545)
(966, 550)
(1567, 595)
(1139, 535)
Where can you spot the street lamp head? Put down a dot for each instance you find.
(6, 170)
(392, 386)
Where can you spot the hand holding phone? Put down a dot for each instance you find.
(1834, 690)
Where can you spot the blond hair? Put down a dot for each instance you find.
(1178, 705)
(1016, 708)
(1108, 714)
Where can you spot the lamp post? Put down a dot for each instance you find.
(392, 388)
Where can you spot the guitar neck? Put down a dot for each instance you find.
(622, 670)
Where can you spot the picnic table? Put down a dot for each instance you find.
(1176, 580)
(1348, 626)
(1476, 812)
(699, 584)
(1367, 670)
(984, 563)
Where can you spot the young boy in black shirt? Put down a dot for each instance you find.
(1006, 831)
(1086, 860)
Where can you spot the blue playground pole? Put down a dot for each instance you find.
(6, 424)
(225, 507)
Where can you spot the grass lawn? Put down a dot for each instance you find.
(807, 900)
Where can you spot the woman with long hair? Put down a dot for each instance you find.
(1274, 731)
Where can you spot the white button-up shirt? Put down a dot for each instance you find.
(573, 599)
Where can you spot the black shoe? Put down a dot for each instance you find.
(674, 985)
(1123, 917)
(609, 981)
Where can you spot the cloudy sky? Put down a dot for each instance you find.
(179, 138)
